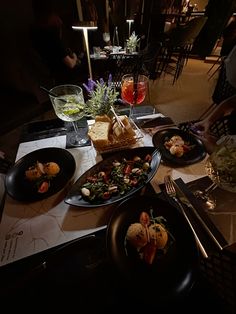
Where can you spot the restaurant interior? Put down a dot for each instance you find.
(59, 250)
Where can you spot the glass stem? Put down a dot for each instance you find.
(75, 127)
(131, 113)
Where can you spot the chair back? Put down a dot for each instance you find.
(186, 34)
(120, 64)
(223, 88)
(148, 59)
(195, 26)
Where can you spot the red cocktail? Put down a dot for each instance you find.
(132, 92)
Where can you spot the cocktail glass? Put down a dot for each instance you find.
(68, 104)
(133, 90)
(221, 169)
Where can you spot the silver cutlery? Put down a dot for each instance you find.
(171, 192)
(186, 202)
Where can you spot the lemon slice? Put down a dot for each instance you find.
(70, 112)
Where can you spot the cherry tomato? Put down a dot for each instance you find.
(148, 158)
(127, 169)
(106, 195)
(144, 219)
(43, 187)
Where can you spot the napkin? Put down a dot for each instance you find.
(27, 147)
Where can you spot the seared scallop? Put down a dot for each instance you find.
(51, 168)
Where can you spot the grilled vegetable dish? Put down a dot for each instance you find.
(118, 178)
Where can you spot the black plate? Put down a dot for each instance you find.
(197, 153)
(19, 188)
(169, 276)
(74, 196)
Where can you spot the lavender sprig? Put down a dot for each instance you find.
(91, 85)
(102, 96)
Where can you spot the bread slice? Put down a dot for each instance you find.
(123, 132)
(103, 118)
(99, 133)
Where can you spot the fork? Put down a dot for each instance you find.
(171, 192)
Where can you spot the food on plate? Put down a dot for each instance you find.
(51, 168)
(137, 235)
(177, 146)
(116, 178)
(99, 133)
(221, 165)
(123, 131)
(103, 118)
(158, 235)
(149, 237)
(41, 174)
(107, 131)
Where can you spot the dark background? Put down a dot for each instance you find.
(22, 70)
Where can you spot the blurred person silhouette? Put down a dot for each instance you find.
(224, 113)
(48, 41)
(226, 108)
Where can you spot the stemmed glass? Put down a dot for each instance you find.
(134, 90)
(221, 169)
(68, 104)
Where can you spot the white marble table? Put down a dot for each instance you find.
(27, 229)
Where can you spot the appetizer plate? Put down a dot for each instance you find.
(195, 154)
(172, 273)
(21, 189)
(74, 197)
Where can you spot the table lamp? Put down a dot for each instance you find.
(85, 26)
(129, 21)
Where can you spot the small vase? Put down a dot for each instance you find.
(130, 49)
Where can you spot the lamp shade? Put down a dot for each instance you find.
(90, 25)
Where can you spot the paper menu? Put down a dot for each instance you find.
(27, 147)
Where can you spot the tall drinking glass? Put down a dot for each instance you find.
(133, 90)
(221, 168)
(68, 104)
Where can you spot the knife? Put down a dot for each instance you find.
(182, 197)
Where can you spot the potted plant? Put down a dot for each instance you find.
(102, 96)
(132, 43)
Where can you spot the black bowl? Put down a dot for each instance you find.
(197, 153)
(173, 273)
(21, 189)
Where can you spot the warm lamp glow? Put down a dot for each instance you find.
(129, 21)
